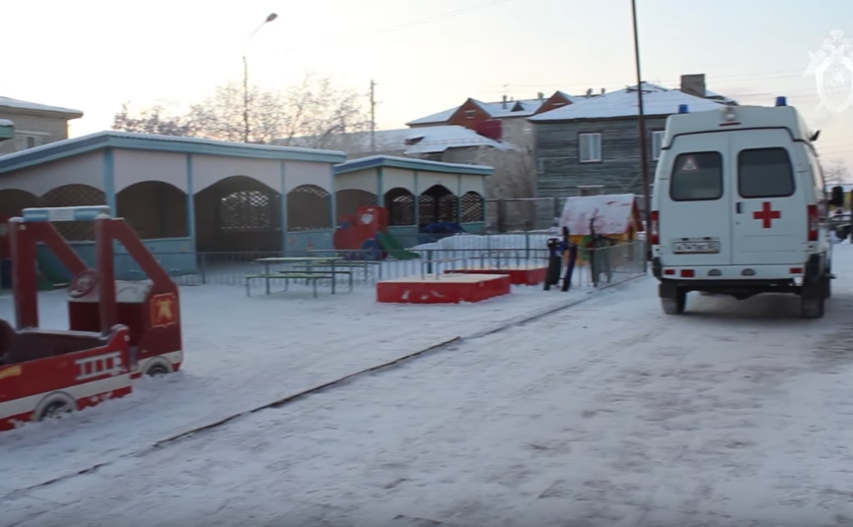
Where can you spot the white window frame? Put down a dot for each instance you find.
(657, 143)
(589, 147)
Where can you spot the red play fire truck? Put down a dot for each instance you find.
(118, 330)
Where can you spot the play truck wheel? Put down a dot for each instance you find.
(158, 369)
(54, 406)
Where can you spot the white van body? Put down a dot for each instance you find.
(739, 207)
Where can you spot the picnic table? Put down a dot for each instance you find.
(357, 263)
(304, 274)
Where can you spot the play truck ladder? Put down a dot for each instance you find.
(99, 365)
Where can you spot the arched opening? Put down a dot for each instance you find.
(437, 204)
(13, 201)
(309, 207)
(154, 209)
(238, 214)
(348, 201)
(74, 196)
(400, 204)
(472, 210)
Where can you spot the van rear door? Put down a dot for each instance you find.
(770, 211)
(694, 206)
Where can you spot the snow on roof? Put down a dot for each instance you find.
(6, 122)
(440, 117)
(8, 102)
(407, 141)
(657, 100)
(437, 139)
(612, 213)
(425, 165)
(499, 109)
(165, 143)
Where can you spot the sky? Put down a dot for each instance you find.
(425, 57)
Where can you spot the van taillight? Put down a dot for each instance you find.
(814, 223)
(654, 227)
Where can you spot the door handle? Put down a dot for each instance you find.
(738, 207)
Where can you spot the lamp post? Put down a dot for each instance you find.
(641, 120)
(270, 18)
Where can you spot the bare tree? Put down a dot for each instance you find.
(836, 174)
(154, 120)
(307, 114)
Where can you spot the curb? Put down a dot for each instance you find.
(511, 323)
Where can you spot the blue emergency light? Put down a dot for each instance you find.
(682, 108)
(781, 101)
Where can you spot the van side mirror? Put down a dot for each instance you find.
(837, 197)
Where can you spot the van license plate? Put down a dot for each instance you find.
(696, 247)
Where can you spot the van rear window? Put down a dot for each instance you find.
(765, 173)
(697, 176)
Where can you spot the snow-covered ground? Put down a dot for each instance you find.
(608, 413)
(242, 353)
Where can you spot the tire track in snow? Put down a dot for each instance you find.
(598, 294)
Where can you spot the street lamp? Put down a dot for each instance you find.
(270, 18)
(641, 120)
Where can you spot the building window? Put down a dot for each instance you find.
(657, 144)
(470, 114)
(589, 146)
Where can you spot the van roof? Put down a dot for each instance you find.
(746, 116)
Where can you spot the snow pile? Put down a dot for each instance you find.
(6, 122)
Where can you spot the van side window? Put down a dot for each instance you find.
(697, 176)
(765, 173)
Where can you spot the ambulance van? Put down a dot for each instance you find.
(740, 208)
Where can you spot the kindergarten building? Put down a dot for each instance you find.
(187, 195)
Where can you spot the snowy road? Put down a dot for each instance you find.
(608, 414)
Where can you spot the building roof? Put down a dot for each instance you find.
(612, 214)
(421, 165)
(160, 143)
(499, 109)
(407, 141)
(657, 100)
(16, 104)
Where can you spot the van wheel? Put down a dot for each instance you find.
(674, 305)
(812, 299)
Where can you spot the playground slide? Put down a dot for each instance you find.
(393, 247)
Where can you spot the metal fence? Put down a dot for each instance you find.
(594, 268)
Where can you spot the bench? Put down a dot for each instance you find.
(308, 277)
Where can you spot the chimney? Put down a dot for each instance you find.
(589, 92)
(504, 103)
(694, 85)
(602, 91)
(541, 96)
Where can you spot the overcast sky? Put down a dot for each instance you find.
(426, 56)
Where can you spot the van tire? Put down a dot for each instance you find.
(827, 287)
(674, 305)
(813, 298)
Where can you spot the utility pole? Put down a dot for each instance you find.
(372, 117)
(641, 121)
(246, 130)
